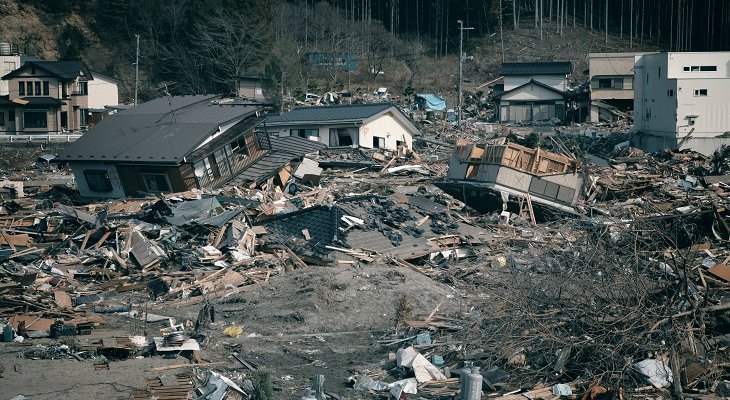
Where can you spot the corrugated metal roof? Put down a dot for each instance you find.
(537, 68)
(350, 112)
(163, 131)
(283, 150)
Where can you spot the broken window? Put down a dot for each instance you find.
(212, 167)
(305, 133)
(156, 182)
(378, 142)
(700, 92)
(98, 180)
(343, 136)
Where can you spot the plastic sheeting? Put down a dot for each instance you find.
(429, 101)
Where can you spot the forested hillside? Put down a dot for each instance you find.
(197, 46)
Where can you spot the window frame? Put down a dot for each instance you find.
(46, 88)
(37, 88)
(302, 132)
(45, 119)
(21, 88)
(29, 88)
(156, 175)
(106, 183)
(701, 93)
(377, 140)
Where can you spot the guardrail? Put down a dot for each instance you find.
(54, 138)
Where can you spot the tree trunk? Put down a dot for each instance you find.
(574, 13)
(621, 25)
(537, 3)
(542, 16)
(514, 13)
(631, 24)
(606, 20)
(591, 15)
(643, 3)
(501, 35)
(671, 25)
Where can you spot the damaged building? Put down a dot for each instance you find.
(176, 144)
(376, 126)
(505, 175)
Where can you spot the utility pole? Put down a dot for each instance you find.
(461, 65)
(136, 73)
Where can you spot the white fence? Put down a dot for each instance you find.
(53, 138)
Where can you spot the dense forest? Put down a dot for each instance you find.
(198, 46)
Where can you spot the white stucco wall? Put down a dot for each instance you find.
(388, 127)
(102, 92)
(78, 171)
(555, 81)
(532, 93)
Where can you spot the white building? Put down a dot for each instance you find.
(103, 91)
(9, 62)
(611, 77)
(682, 101)
(377, 125)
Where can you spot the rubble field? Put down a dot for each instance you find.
(368, 281)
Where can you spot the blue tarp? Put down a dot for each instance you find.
(429, 101)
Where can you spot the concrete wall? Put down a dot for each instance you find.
(664, 119)
(78, 171)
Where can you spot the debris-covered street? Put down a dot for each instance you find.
(367, 279)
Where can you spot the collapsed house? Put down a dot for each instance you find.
(504, 175)
(176, 144)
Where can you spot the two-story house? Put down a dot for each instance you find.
(611, 77)
(681, 101)
(46, 97)
(533, 91)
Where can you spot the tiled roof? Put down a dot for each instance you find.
(61, 69)
(536, 68)
(335, 113)
(283, 150)
(162, 131)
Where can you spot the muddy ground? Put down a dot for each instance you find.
(319, 320)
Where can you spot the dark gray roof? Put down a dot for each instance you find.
(160, 131)
(283, 150)
(536, 68)
(335, 113)
(41, 101)
(61, 69)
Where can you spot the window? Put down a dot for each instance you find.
(83, 116)
(2, 118)
(98, 180)
(35, 119)
(8, 66)
(670, 92)
(700, 68)
(29, 88)
(46, 88)
(11, 116)
(21, 88)
(38, 88)
(604, 83)
(659, 73)
(239, 149)
(378, 142)
(305, 133)
(156, 182)
(212, 167)
(700, 92)
(84, 88)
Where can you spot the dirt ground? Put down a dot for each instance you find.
(318, 320)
